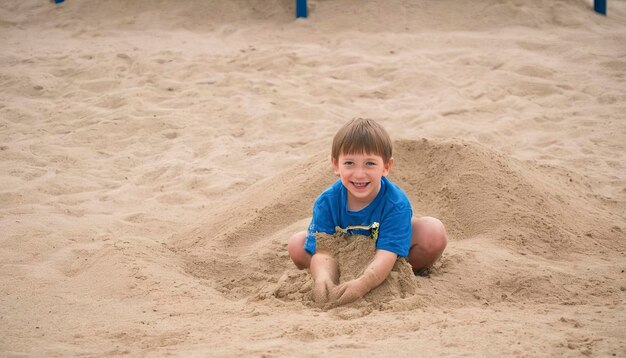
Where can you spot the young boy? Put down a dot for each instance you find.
(363, 201)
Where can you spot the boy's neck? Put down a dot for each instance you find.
(354, 204)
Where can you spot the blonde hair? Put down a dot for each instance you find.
(362, 136)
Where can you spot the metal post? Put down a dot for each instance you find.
(301, 8)
(599, 6)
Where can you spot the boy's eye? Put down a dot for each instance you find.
(370, 164)
(348, 163)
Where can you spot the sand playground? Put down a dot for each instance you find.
(155, 156)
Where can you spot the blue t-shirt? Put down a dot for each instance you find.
(390, 209)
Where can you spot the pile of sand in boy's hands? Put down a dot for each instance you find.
(354, 253)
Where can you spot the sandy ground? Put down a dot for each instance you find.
(156, 155)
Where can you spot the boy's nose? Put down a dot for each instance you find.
(359, 172)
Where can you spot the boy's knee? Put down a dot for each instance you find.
(440, 236)
(434, 237)
(295, 247)
(296, 242)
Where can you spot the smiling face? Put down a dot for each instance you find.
(361, 175)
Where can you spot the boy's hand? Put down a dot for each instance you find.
(348, 292)
(322, 292)
(375, 273)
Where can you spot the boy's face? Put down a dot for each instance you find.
(361, 174)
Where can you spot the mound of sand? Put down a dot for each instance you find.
(535, 209)
(515, 209)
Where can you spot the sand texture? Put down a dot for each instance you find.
(155, 156)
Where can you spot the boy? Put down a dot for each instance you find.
(363, 201)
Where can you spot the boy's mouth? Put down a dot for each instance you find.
(360, 185)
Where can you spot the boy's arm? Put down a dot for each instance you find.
(375, 273)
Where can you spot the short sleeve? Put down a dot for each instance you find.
(320, 222)
(396, 231)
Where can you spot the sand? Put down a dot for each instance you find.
(155, 156)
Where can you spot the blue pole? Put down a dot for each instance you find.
(301, 8)
(599, 6)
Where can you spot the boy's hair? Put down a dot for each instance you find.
(362, 136)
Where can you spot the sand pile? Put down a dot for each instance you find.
(535, 209)
(513, 207)
(353, 254)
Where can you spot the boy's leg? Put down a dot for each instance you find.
(428, 242)
(300, 257)
(325, 273)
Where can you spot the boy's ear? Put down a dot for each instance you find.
(387, 167)
(335, 165)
